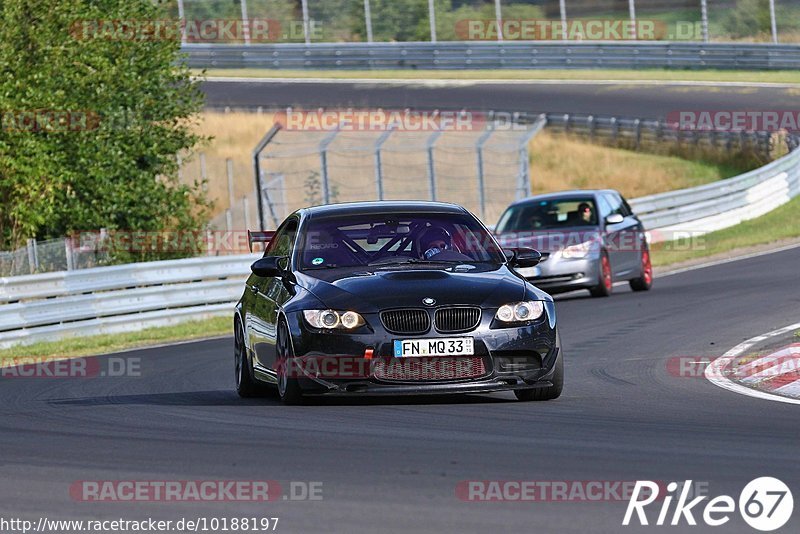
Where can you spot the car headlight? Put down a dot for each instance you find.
(579, 251)
(520, 312)
(330, 319)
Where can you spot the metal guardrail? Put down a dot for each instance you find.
(492, 55)
(116, 299)
(132, 297)
(638, 133)
(721, 204)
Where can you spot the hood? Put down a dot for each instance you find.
(372, 291)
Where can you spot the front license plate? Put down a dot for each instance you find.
(456, 346)
(530, 272)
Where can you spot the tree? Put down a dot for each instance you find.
(93, 117)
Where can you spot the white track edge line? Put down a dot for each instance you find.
(714, 372)
(489, 81)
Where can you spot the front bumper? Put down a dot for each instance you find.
(564, 274)
(512, 358)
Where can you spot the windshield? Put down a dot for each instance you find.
(392, 239)
(551, 214)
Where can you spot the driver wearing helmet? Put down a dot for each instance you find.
(435, 240)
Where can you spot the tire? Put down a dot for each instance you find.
(644, 282)
(606, 285)
(548, 393)
(246, 385)
(289, 389)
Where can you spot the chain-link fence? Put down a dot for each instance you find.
(64, 254)
(316, 21)
(483, 168)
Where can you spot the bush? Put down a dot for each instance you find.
(132, 109)
(748, 19)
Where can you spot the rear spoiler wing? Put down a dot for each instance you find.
(259, 237)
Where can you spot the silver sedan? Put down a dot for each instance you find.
(589, 239)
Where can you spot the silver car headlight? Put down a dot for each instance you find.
(579, 251)
(520, 312)
(330, 319)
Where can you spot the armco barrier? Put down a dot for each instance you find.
(493, 55)
(132, 297)
(121, 298)
(721, 204)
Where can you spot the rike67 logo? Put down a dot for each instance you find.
(765, 504)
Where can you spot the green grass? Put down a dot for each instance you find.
(781, 223)
(107, 343)
(785, 76)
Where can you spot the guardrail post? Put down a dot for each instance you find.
(638, 125)
(306, 23)
(429, 147)
(68, 253)
(562, 6)
(368, 20)
(498, 15)
(704, 19)
(323, 156)
(260, 193)
(773, 24)
(591, 126)
(245, 23)
(566, 123)
(378, 164)
(33, 261)
(182, 19)
(481, 189)
(524, 178)
(614, 129)
(432, 20)
(229, 172)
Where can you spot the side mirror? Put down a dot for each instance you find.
(269, 266)
(523, 257)
(614, 218)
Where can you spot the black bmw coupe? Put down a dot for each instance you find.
(394, 298)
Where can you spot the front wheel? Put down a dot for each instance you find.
(246, 385)
(606, 283)
(644, 282)
(288, 385)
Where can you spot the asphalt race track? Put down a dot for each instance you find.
(392, 465)
(646, 101)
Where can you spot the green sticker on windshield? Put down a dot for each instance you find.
(317, 261)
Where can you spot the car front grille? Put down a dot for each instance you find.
(457, 319)
(429, 369)
(409, 321)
